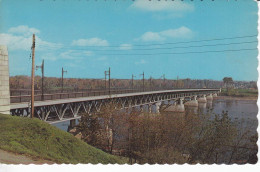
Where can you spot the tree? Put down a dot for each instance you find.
(228, 82)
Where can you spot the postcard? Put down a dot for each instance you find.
(128, 82)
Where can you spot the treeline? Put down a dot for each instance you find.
(170, 138)
(50, 83)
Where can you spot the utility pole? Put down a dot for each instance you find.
(107, 73)
(42, 69)
(143, 80)
(133, 82)
(32, 77)
(62, 73)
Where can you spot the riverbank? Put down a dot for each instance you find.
(239, 92)
(38, 140)
(236, 98)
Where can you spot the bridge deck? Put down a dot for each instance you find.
(82, 99)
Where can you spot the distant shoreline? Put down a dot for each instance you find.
(236, 97)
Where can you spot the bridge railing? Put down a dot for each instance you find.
(65, 95)
(38, 97)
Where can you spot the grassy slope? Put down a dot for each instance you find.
(39, 139)
(240, 92)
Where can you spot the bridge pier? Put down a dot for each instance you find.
(157, 107)
(150, 108)
(109, 135)
(178, 106)
(209, 97)
(72, 124)
(141, 108)
(202, 99)
(193, 102)
(4, 81)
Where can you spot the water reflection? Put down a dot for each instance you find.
(240, 110)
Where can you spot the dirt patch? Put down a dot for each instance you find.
(12, 158)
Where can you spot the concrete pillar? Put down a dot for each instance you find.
(72, 124)
(178, 106)
(192, 102)
(209, 104)
(157, 107)
(150, 108)
(141, 108)
(202, 99)
(203, 106)
(209, 97)
(109, 133)
(4, 81)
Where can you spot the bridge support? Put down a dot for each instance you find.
(72, 124)
(178, 106)
(157, 107)
(209, 97)
(202, 99)
(193, 102)
(4, 81)
(150, 108)
(109, 135)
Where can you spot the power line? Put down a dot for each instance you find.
(169, 43)
(168, 48)
(191, 52)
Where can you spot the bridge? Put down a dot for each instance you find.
(70, 108)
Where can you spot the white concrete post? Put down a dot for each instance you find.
(4, 81)
(157, 107)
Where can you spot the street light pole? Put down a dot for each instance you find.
(150, 82)
(105, 80)
(62, 73)
(143, 80)
(109, 80)
(133, 82)
(107, 73)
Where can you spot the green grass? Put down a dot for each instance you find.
(38, 139)
(240, 92)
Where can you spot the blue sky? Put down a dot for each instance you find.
(87, 37)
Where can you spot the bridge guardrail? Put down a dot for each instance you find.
(38, 97)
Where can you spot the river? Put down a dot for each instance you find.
(238, 109)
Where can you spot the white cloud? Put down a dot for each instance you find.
(155, 6)
(125, 47)
(151, 36)
(182, 32)
(23, 30)
(90, 42)
(15, 42)
(20, 38)
(142, 61)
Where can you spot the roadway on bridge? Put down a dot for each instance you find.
(82, 99)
